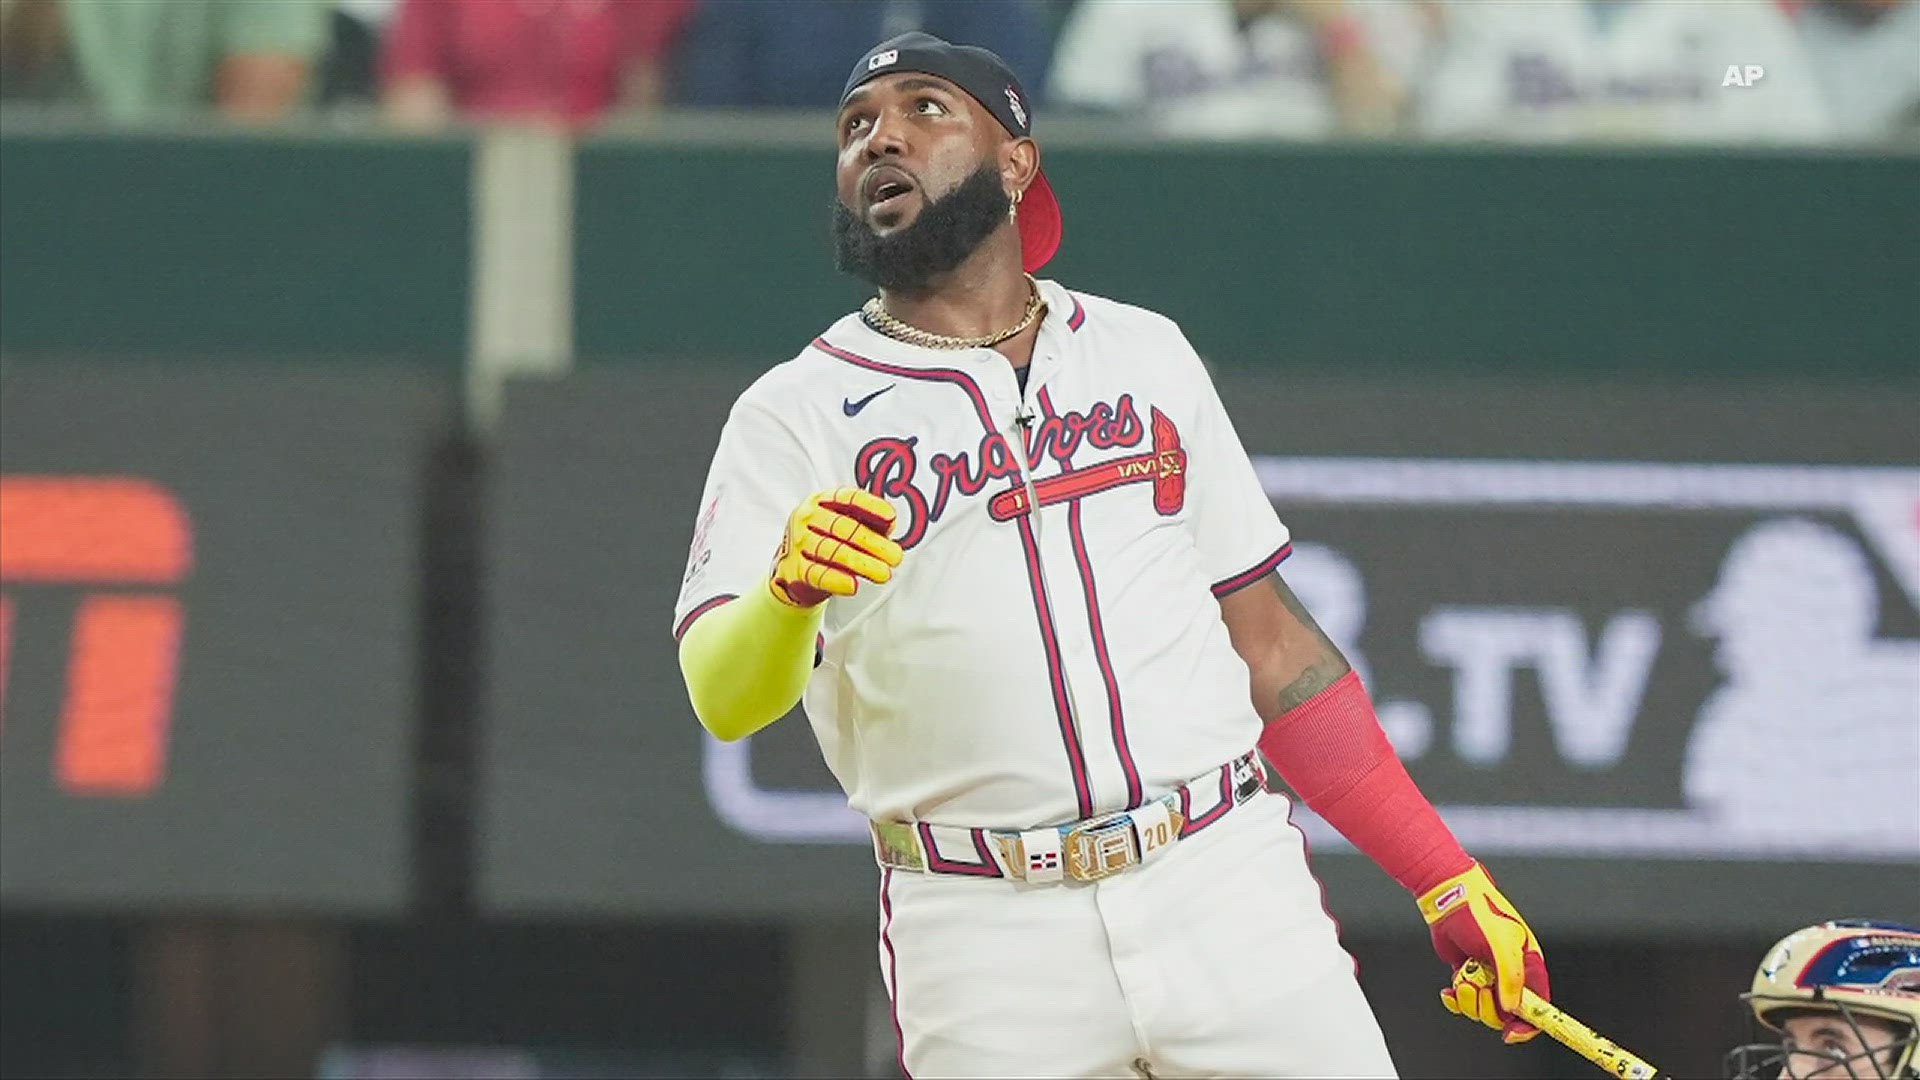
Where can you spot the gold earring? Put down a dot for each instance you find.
(1013, 205)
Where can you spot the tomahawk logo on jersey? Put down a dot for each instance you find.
(890, 466)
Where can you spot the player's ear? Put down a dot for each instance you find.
(1019, 164)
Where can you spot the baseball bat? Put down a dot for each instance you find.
(1569, 1032)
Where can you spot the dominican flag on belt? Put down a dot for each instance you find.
(1043, 860)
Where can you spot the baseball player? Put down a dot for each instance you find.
(1844, 997)
(1003, 538)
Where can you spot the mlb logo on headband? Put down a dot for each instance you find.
(882, 59)
(1019, 110)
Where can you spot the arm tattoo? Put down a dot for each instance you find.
(1325, 669)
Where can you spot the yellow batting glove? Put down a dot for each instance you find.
(834, 541)
(1470, 920)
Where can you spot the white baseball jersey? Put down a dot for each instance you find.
(1619, 69)
(1023, 667)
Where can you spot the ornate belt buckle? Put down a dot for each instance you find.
(1101, 846)
(894, 844)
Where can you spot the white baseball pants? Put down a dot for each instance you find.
(1216, 959)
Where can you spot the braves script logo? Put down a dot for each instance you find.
(126, 543)
(890, 466)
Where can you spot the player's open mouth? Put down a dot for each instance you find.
(886, 189)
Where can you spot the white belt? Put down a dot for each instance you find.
(1085, 850)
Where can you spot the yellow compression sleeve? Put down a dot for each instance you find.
(746, 662)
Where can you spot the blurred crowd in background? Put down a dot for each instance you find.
(1703, 71)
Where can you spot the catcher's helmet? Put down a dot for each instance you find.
(1852, 969)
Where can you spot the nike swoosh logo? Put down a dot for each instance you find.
(852, 408)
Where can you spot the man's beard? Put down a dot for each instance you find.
(948, 230)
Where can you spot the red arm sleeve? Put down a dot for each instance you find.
(1331, 751)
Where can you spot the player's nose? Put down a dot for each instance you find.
(886, 138)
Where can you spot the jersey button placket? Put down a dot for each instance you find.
(1018, 438)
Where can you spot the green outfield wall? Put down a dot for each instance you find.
(1556, 262)
(233, 246)
(1377, 259)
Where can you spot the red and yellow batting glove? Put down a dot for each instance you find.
(835, 540)
(1470, 920)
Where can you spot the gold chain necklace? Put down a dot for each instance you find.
(876, 315)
